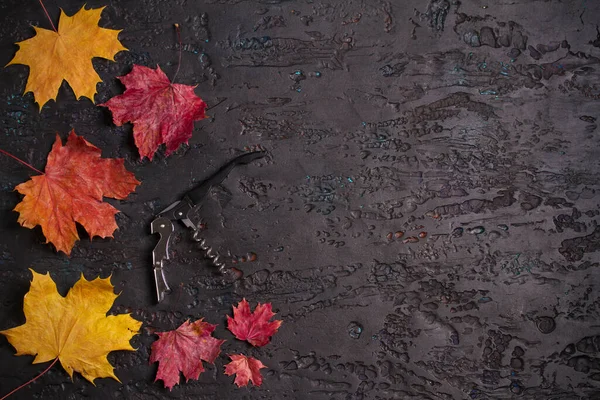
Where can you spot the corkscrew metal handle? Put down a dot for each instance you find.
(165, 228)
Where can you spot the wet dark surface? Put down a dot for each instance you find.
(425, 223)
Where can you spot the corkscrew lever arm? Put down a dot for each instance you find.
(164, 227)
(197, 195)
(180, 210)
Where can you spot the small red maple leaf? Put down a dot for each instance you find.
(161, 111)
(253, 327)
(246, 369)
(183, 350)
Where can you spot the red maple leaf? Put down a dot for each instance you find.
(161, 111)
(246, 369)
(253, 327)
(183, 350)
(71, 191)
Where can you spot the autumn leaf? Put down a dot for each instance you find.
(71, 191)
(183, 350)
(253, 327)
(246, 369)
(161, 111)
(75, 328)
(67, 55)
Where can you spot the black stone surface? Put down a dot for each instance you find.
(425, 223)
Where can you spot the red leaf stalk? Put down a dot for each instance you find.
(49, 19)
(180, 45)
(22, 162)
(31, 380)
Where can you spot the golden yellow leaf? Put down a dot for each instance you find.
(67, 54)
(74, 328)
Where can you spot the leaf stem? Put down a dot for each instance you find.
(51, 23)
(22, 162)
(180, 45)
(31, 380)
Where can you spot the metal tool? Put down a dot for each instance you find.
(180, 211)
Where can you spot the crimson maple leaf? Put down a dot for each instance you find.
(161, 111)
(253, 327)
(183, 350)
(246, 369)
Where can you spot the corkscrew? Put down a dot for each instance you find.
(182, 210)
(210, 253)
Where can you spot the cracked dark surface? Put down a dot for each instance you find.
(425, 223)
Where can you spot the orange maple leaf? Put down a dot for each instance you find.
(71, 190)
(67, 55)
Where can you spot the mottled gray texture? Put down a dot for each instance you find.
(475, 122)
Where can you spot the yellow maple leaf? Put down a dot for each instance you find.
(74, 328)
(67, 54)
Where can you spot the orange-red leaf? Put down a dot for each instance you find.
(253, 327)
(71, 190)
(161, 111)
(183, 350)
(246, 369)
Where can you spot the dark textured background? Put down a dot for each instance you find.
(474, 122)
